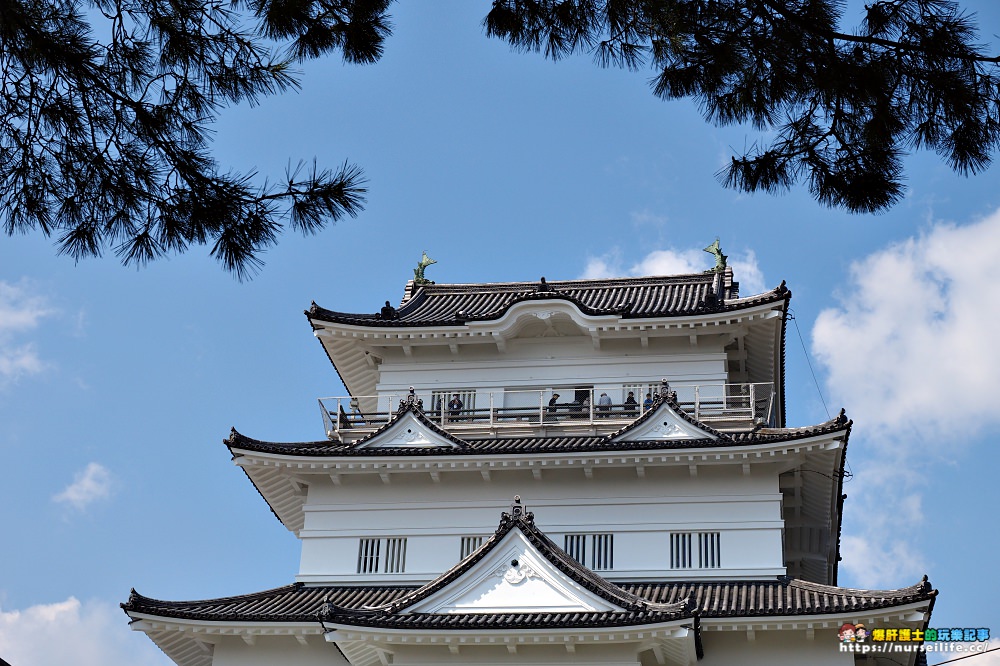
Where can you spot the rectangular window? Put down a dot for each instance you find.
(470, 544)
(680, 550)
(591, 550)
(602, 553)
(382, 556)
(689, 548)
(368, 556)
(395, 555)
(708, 550)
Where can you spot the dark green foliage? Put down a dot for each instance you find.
(106, 104)
(104, 123)
(842, 108)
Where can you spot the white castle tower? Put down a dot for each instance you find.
(576, 472)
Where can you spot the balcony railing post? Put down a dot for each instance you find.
(327, 425)
(697, 402)
(492, 414)
(541, 407)
(753, 402)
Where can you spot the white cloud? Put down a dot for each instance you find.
(914, 329)
(672, 262)
(677, 262)
(89, 485)
(608, 265)
(909, 352)
(21, 310)
(89, 634)
(748, 274)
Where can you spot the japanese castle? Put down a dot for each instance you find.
(564, 472)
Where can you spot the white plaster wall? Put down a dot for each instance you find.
(552, 362)
(773, 648)
(640, 512)
(273, 650)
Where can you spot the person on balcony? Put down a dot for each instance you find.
(647, 404)
(604, 405)
(455, 406)
(631, 406)
(550, 412)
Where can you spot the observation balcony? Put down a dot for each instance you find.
(557, 411)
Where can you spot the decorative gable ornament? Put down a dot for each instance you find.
(664, 422)
(407, 431)
(513, 578)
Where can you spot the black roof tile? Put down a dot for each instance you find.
(630, 298)
(711, 599)
(539, 444)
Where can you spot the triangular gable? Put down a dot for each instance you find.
(666, 421)
(515, 577)
(409, 430)
(520, 571)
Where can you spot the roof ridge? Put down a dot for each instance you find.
(923, 585)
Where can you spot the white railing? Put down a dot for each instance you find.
(741, 404)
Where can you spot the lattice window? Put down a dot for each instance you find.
(470, 544)
(602, 553)
(689, 548)
(382, 556)
(708, 550)
(368, 556)
(591, 550)
(575, 546)
(395, 555)
(680, 550)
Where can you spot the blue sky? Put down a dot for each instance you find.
(117, 386)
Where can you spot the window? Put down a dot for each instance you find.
(685, 545)
(591, 550)
(382, 556)
(368, 556)
(708, 550)
(680, 550)
(470, 544)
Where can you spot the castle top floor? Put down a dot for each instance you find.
(510, 349)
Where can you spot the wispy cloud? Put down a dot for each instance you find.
(647, 218)
(92, 483)
(912, 331)
(915, 325)
(21, 311)
(672, 261)
(90, 634)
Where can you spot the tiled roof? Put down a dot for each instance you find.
(291, 603)
(537, 444)
(712, 599)
(778, 597)
(630, 298)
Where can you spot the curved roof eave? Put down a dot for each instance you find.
(497, 299)
(239, 443)
(711, 599)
